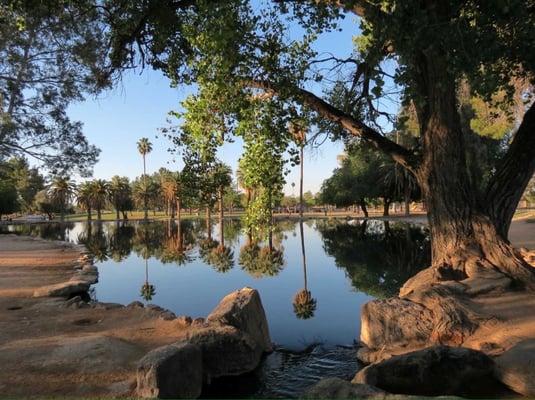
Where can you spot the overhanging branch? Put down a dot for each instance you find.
(355, 127)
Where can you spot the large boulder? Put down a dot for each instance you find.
(439, 370)
(171, 372)
(516, 368)
(336, 388)
(226, 351)
(396, 322)
(243, 310)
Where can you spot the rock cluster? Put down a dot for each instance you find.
(231, 341)
(84, 276)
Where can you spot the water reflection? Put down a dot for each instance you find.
(304, 304)
(313, 279)
(378, 256)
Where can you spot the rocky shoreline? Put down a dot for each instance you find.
(63, 344)
(79, 348)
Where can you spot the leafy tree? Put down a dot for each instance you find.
(28, 181)
(144, 147)
(51, 54)
(84, 198)
(422, 50)
(100, 188)
(120, 195)
(45, 204)
(357, 181)
(61, 191)
(8, 198)
(145, 191)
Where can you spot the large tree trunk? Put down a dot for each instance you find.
(462, 231)
(362, 205)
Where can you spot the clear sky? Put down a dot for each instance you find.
(139, 105)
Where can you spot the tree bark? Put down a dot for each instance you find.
(221, 219)
(208, 223)
(362, 205)
(512, 176)
(301, 154)
(386, 207)
(407, 195)
(462, 231)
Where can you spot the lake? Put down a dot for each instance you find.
(312, 285)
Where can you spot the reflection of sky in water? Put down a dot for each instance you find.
(195, 288)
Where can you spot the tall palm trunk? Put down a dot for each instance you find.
(208, 222)
(221, 219)
(89, 216)
(301, 183)
(145, 200)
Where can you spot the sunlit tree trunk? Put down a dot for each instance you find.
(208, 222)
(301, 181)
(462, 230)
(221, 219)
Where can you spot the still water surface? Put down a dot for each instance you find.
(185, 269)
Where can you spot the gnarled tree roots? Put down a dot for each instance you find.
(440, 305)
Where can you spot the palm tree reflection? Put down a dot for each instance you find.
(304, 304)
(147, 290)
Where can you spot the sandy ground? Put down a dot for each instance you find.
(49, 346)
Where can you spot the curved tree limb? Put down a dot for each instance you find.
(400, 154)
(514, 171)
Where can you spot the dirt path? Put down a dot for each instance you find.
(55, 346)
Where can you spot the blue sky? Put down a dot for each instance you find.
(138, 107)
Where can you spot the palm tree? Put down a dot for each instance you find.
(144, 147)
(84, 198)
(144, 190)
(298, 131)
(100, 190)
(120, 195)
(61, 191)
(170, 187)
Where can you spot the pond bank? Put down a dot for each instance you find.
(62, 345)
(483, 312)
